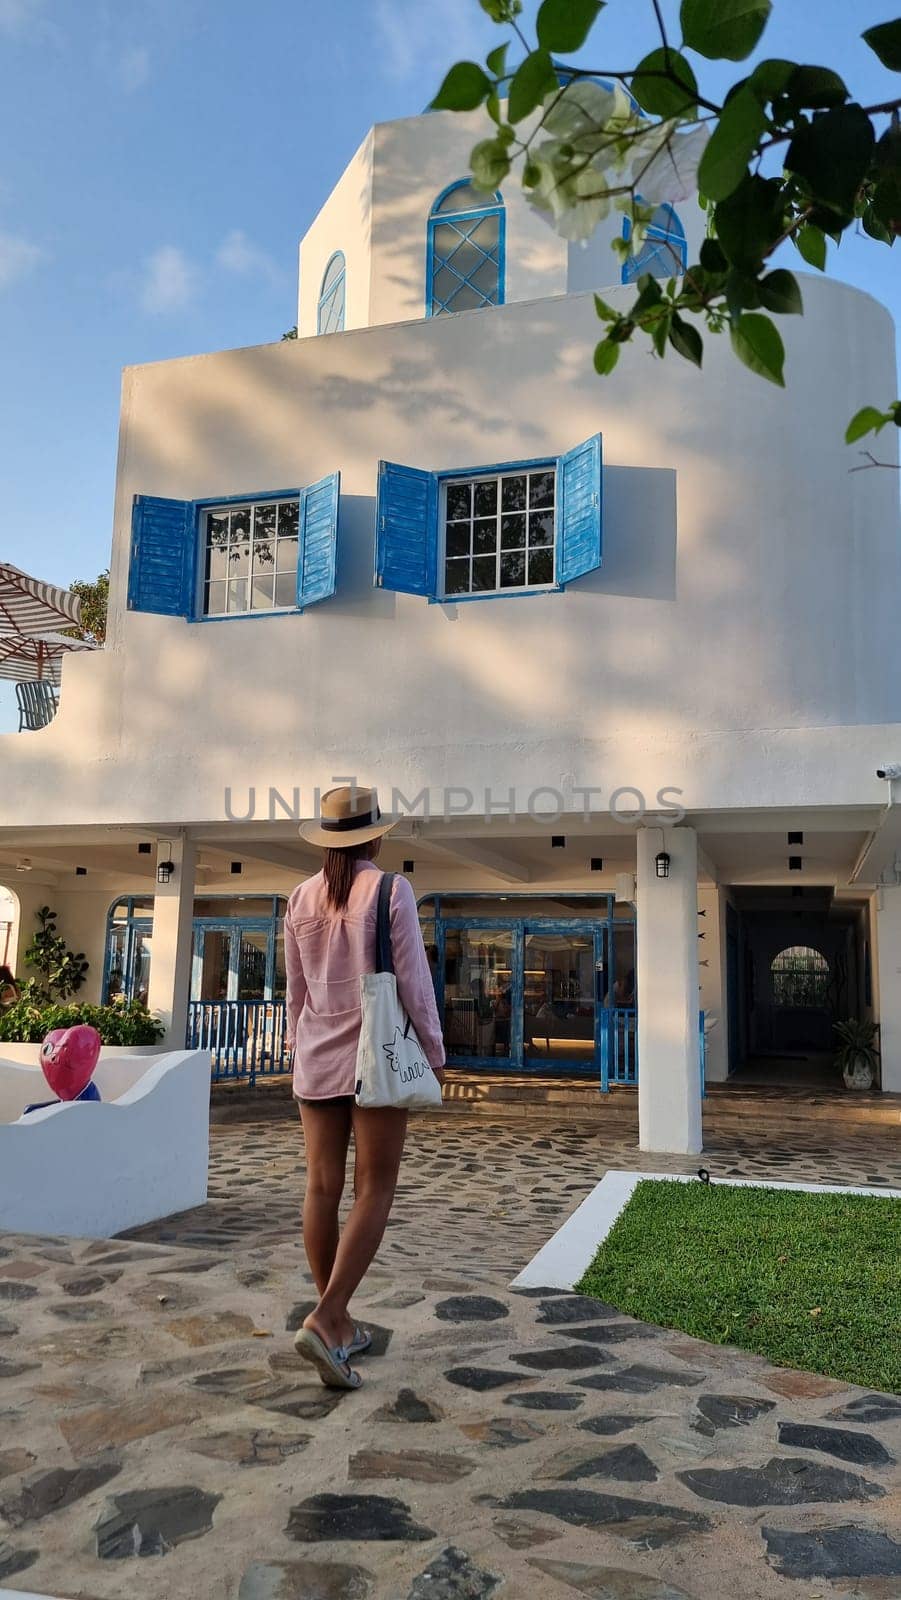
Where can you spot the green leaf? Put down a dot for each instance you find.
(713, 258)
(871, 224)
(811, 244)
(502, 10)
(757, 342)
(496, 60)
(832, 154)
(816, 88)
(686, 341)
(605, 312)
(564, 25)
(724, 29)
(779, 292)
(735, 138)
(770, 77)
(885, 39)
(606, 356)
(490, 163)
(534, 79)
(867, 420)
(665, 84)
(750, 221)
(465, 87)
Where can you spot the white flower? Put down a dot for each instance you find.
(665, 163)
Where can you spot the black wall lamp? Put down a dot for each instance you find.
(661, 862)
(165, 869)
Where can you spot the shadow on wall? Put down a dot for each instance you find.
(639, 548)
(442, 394)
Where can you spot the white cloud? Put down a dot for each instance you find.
(424, 40)
(240, 255)
(17, 258)
(170, 280)
(133, 67)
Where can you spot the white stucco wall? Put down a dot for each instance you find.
(378, 215)
(344, 223)
(88, 1170)
(740, 640)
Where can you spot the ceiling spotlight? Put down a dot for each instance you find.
(23, 864)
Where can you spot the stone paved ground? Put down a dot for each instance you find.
(151, 1404)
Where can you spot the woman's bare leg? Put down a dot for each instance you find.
(326, 1131)
(379, 1135)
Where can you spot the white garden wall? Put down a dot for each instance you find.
(89, 1170)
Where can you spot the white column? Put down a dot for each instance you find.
(888, 970)
(669, 1070)
(170, 961)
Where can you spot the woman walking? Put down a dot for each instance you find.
(330, 939)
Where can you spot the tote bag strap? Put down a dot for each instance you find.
(384, 960)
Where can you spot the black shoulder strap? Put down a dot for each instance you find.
(384, 960)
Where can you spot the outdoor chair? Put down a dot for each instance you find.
(37, 704)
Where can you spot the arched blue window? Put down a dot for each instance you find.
(664, 253)
(330, 317)
(466, 251)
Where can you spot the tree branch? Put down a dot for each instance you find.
(892, 466)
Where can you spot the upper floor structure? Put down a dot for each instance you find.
(681, 582)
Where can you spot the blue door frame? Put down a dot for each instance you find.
(608, 1064)
(236, 927)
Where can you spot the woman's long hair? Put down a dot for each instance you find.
(339, 867)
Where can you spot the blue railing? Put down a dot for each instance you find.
(246, 1038)
(619, 1048)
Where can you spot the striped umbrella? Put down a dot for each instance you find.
(22, 659)
(28, 606)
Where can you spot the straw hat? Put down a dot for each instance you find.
(347, 816)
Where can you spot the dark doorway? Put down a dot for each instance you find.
(794, 967)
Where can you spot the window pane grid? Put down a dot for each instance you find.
(251, 558)
(499, 533)
(332, 297)
(465, 247)
(664, 253)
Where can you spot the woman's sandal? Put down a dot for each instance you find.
(333, 1366)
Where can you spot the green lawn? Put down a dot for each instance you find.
(807, 1280)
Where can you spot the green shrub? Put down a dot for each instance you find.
(29, 1022)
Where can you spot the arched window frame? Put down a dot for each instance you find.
(811, 967)
(494, 206)
(328, 292)
(673, 236)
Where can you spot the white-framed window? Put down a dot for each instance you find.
(250, 556)
(499, 531)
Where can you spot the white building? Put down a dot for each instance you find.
(685, 593)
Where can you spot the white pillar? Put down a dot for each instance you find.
(669, 1069)
(170, 960)
(888, 956)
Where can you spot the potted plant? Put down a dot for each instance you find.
(858, 1052)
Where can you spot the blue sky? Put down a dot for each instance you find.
(159, 160)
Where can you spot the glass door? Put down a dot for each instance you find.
(562, 972)
(232, 961)
(481, 966)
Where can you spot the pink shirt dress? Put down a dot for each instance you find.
(326, 951)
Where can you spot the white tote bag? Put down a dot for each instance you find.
(392, 1067)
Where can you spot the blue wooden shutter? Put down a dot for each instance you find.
(579, 515)
(406, 546)
(316, 565)
(163, 544)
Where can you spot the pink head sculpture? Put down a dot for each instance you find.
(68, 1059)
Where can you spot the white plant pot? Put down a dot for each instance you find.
(859, 1075)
